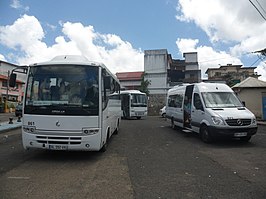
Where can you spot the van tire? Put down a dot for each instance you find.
(245, 139)
(205, 134)
(172, 123)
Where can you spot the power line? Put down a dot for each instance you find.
(261, 6)
(257, 10)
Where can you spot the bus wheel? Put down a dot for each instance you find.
(117, 128)
(205, 134)
(104, 147)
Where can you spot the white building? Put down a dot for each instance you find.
(163, 72)
(156, 63)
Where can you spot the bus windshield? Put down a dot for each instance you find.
(221, 100)
(63, 89)
(138, 100)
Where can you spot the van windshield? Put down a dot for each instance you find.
(221, 100)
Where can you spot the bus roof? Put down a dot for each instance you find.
(131, 92)
(69, 59)
(75, 60)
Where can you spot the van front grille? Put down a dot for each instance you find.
(238, 122)
(58, 140)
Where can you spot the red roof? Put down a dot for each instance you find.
(5, 78)
(129, 76)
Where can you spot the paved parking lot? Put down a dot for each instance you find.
(147, 159)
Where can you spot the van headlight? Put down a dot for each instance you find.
(29, 129)
(254, 121)
(217, 120)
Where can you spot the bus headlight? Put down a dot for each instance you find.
(217, 120)
(90, 131)
(29, 129)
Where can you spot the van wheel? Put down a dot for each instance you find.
(172, 124)
(245, 139)
(205, 134)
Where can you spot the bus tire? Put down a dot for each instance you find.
(117, 128)
(104, 147)
(205, 134)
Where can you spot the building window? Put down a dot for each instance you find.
(217, 74)
(4, 83)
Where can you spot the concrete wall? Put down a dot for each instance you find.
(155, 103)
(155, 67)
(191, 57)
(253, 99)
(155, 61)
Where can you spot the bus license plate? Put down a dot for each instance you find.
(58, 147)
(241, 134)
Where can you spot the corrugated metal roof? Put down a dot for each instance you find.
(250, 82)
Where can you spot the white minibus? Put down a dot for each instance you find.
(134, 104)
(210, 109)
(70, 103)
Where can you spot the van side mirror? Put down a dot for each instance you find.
(12, 80)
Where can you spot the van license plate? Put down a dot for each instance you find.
(241, 134)
(57, 147)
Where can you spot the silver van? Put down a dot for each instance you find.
(210, 109)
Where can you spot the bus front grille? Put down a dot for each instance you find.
(58, 140)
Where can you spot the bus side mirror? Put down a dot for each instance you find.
(12, 80)
(107, 82)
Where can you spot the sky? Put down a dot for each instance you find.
(116, 32)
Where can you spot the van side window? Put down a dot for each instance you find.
(175, 100)
(171, 101)
(197, 102)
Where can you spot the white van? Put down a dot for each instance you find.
(210, 109)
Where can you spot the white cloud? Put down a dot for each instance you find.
(261, 69)
(26, 34)
(17, 5)
(2, 57)
(207, 56)
(226, 20)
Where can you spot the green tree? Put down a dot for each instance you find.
(144, 84)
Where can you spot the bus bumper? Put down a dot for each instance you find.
(55, 142)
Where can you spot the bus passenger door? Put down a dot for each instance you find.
(126, 105)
